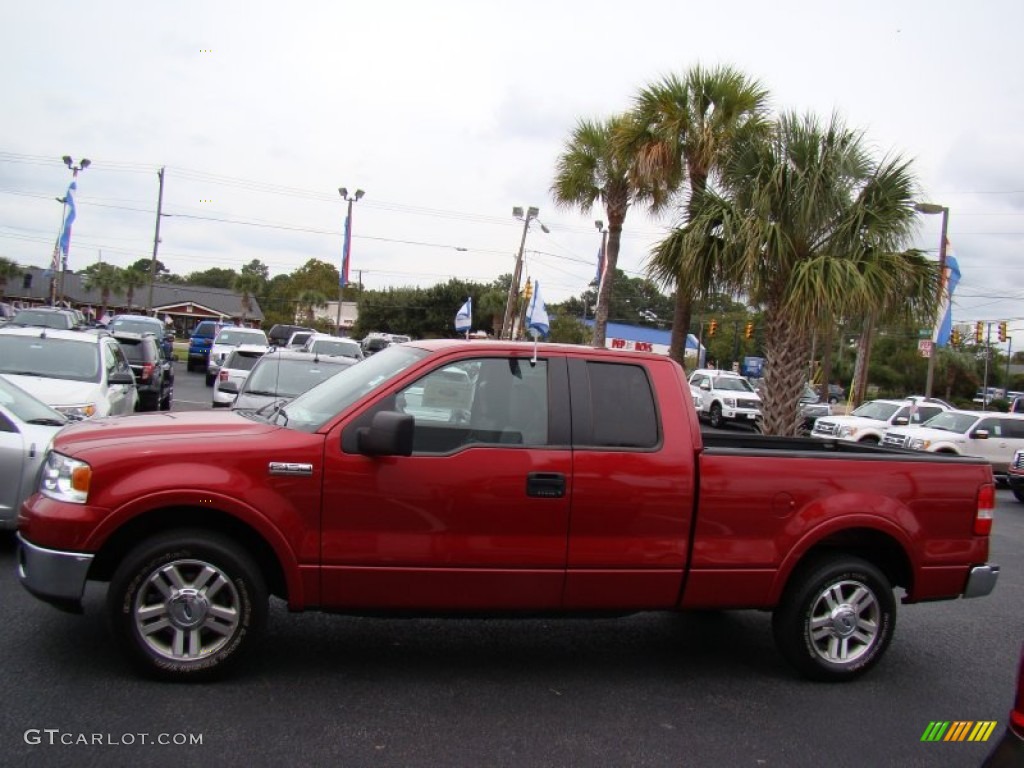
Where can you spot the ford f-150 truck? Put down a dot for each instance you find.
(480, 478)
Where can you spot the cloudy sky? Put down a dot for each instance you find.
(450, 113)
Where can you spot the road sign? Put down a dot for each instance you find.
(924, 347)
(924, 333)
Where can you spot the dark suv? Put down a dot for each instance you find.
(200, 342)
(153, 369)
(280, 333)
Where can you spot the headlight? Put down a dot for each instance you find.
(918, 443)
(730, 402)
(847, 432)
(65, 479)
(83, 411)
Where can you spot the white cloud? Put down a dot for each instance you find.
(450, 113)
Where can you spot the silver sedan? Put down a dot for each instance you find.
(27, 427)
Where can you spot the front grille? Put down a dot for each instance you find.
(895, 441)
(1018, 460)
(747, 403)
(825, 428)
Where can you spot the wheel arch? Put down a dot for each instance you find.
(126, 537)
(875, 546)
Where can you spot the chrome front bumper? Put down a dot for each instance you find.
(981, 580)
(54, 576)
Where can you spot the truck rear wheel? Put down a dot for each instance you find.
(836, 619)
(186, 604)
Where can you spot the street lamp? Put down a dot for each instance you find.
(347, 247)
(513, 288)
(932, 209)
(64, 242)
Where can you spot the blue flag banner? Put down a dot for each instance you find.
(69, 219)
(343, 275)
(950, 280)
(537, 322)
(464, 317)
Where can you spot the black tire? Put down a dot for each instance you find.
(212, 612)
(190, 366)
(715, 416)
(209, 379)
(168, 398)
(1019, 493)
(833, 400)
(149, 401)
(836, 618)
(870, 440)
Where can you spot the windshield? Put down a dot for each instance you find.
(311, 410)
(235, 337)
(290, 378)
(135, 325)
(44, 319)
(26, 407)
(50, 358)
(733, 384)
(335, 347)
(876, 410)
(952, 422)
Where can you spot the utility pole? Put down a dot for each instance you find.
(508, 323)
(156, 240)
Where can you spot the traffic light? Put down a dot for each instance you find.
(954, 337)
(712, 327)
(1002, 331)
(749, 332)
(979, 332)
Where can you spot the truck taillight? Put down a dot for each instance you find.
(986, 506)
(223, 375)
(147, 371)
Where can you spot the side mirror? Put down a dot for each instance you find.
(901, 421)
(979, 434)
(122, 378)
(389, 434)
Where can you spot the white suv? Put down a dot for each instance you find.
(992, 436)
(724, 397)
(78, 373)
(870, 421)
(227, 339)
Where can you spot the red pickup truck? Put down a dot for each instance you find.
(453, 478)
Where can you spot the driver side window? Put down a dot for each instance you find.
(498, 401)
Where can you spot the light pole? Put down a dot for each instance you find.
(513, 288)
(69, 199)
(931, 209)
(347, 248)
(599, 277)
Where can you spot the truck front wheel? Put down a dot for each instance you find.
(186, 604)
(715, 416)
(836, 619)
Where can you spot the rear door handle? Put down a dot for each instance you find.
(545, 485)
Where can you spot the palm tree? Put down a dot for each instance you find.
(132, 278)
(682, 128)
(9, 270)
(247, 285)
(310, 300)
(105, 278)
(809, 226)
(596, 165)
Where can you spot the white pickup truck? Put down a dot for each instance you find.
(724, 397)
(869, 422)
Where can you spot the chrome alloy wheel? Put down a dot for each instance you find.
(844, 622)
(186, 609)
